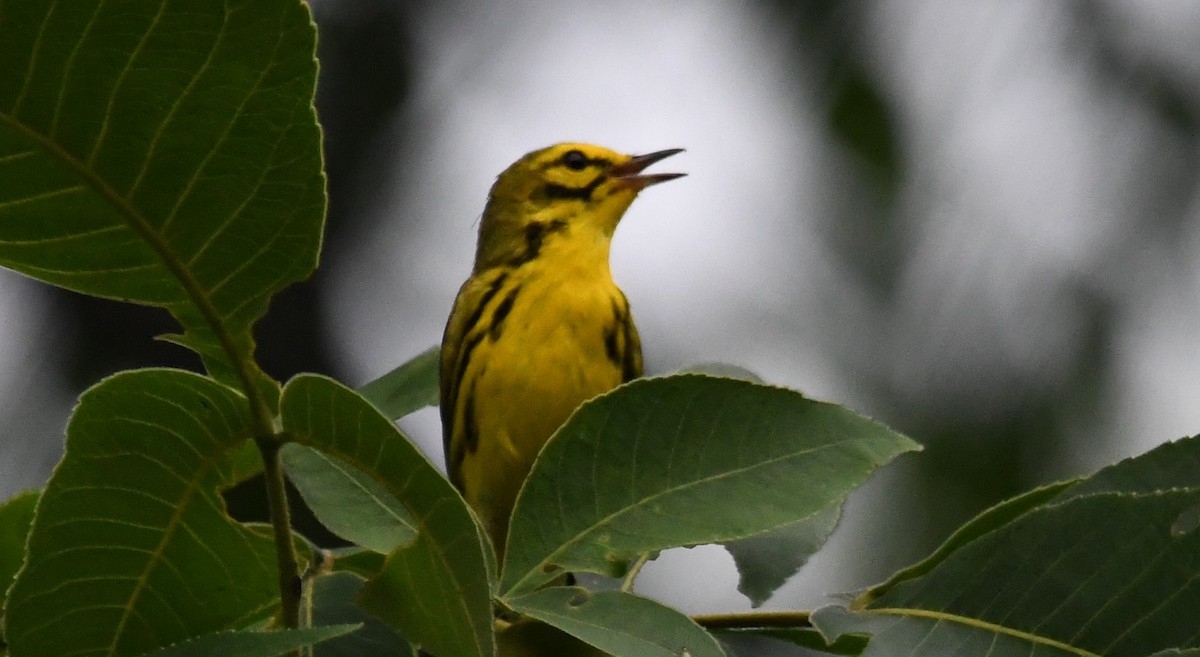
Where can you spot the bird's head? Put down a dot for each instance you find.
(565, 189)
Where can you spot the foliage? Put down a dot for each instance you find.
(166, 153)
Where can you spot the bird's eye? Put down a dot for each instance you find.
(575, 160)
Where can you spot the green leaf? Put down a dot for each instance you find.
(621, 624)
(362, 562)
(332, 598)
(347, 501)
(131, 548)
(1101, 568)
(990, 520)
(437, 591)
(163, 153)
(16, 515)
(252, 643)
(766, 561)
(1081, 574)
(408, 388)
(684, 460)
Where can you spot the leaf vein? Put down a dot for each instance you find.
(68, 68)
(26, 200)
(31, 72)
(120, 82)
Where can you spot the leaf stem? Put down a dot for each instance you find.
(290, 588)
(627, 583)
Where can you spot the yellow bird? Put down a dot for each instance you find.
(540, 326)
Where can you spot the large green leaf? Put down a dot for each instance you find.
(435, 591)
(684, 460)
(1173, 465)
(621, 624)
(131, 548)
(165, 153)
(1106, 566)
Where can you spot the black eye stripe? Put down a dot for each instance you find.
(563, 192)
(584, 193)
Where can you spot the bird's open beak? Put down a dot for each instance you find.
(628, 172)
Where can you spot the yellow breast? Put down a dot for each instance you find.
(553, 342)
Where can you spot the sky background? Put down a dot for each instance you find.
(976, 222)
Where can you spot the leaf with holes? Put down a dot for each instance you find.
(163, 153)
(131, 549)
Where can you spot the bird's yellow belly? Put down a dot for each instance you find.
(553, 362)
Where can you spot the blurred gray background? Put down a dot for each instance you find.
(975, 221)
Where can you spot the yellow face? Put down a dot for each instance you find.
(565, 185)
